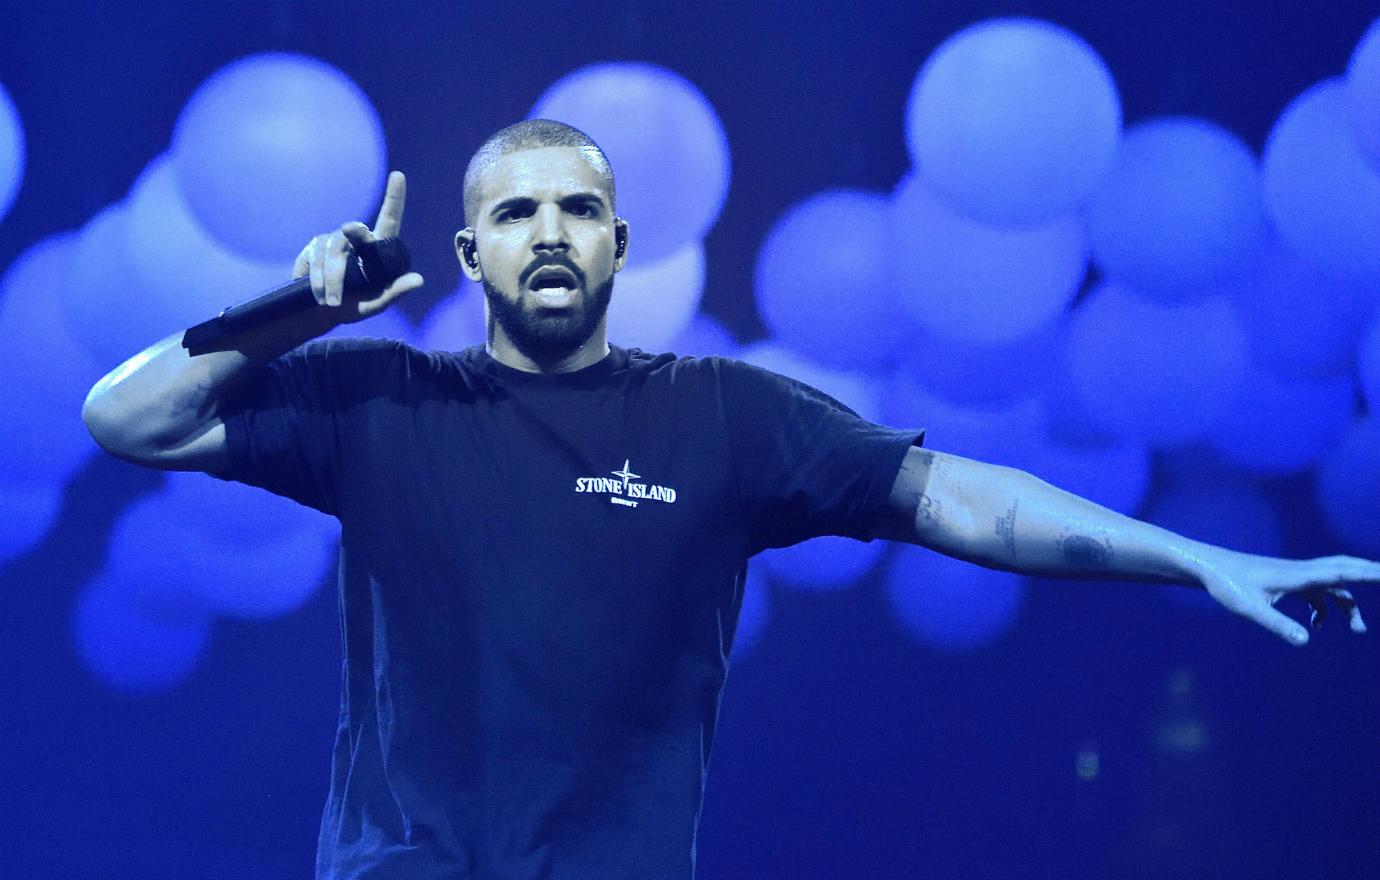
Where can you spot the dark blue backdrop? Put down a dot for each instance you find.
(845, 750)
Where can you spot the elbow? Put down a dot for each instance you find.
(111, 432)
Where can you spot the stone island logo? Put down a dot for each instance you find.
(624, 491)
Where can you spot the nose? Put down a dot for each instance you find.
(549, 233)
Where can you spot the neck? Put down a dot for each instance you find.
(502, 349)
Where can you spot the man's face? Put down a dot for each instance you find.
(545, 248)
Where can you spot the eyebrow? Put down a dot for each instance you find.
(524, 201)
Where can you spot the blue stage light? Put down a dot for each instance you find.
(753, 616)
(961, 279)
(1323, 197)
(1014, 119)
(667, 147)
(275, 148)
(1180, 209)
(1153, 373)
(47, 373)
(983, 374)
(654, 301)
(948, 604)
(826, 279)
(11, 152)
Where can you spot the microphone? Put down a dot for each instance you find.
(373, 267)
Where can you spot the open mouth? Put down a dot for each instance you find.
(554, 286)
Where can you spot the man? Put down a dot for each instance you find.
(544, 539)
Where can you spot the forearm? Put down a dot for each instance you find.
(164, 395)
(1005, 518)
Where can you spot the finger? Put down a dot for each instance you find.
(303, 264)
(403, 284)
(1347, 603)
(1284, 627)
(316, 270)
(389, 221)
(337, 251)
(1319, 613)
(1362, 569)
(357, 233)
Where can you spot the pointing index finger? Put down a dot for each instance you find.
(390, 217)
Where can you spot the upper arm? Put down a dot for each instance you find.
(927, 498)
(203, 450)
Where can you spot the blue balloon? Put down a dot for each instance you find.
(1316, 411)
(705, 337)
(653, 302)
(825, 279)
(1180, 209)
(106, 319)
(753, 616)
(1302, 321)
(131, 651)
(1363, 85)
(948, 604)
(1019, 434)
(182, 275)
(275, 148)
(47, 374)
(1014, 119)
(1348, 487)
(11, 152)
(857, 391)
(825, 563)
(1154, 373)
(961, 279)
(210, 547)
(665, 142)
(456, 321)
(1369, 363)
(984, 374)
(1322, 195)
(28, 512)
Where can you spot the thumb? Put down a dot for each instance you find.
(1282, 625)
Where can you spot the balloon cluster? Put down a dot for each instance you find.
(215, 219)
(1050, 292)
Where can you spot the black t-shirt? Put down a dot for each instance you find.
(540, 578)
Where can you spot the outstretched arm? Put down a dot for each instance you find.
(1005, 518)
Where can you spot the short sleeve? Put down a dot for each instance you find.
(284, 424)
(806, 464)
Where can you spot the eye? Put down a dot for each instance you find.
(583, 209)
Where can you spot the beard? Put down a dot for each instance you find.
(546, 335)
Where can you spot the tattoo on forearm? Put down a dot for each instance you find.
(1086, 551)
(1006, 529)
(928, 512)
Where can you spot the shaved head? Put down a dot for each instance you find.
(530, 134)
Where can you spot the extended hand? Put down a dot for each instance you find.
(326, 256)
(1251, 585)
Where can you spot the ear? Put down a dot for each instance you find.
(620, 243)
(465, 251)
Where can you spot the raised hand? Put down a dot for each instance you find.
(1251, 585)
(325, 257)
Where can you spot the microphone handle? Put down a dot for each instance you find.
(372, 268)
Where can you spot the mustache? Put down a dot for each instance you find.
(551, 260)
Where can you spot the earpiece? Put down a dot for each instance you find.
(621, 242)
(470, 258)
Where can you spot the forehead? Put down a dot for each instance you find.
(543, 174)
